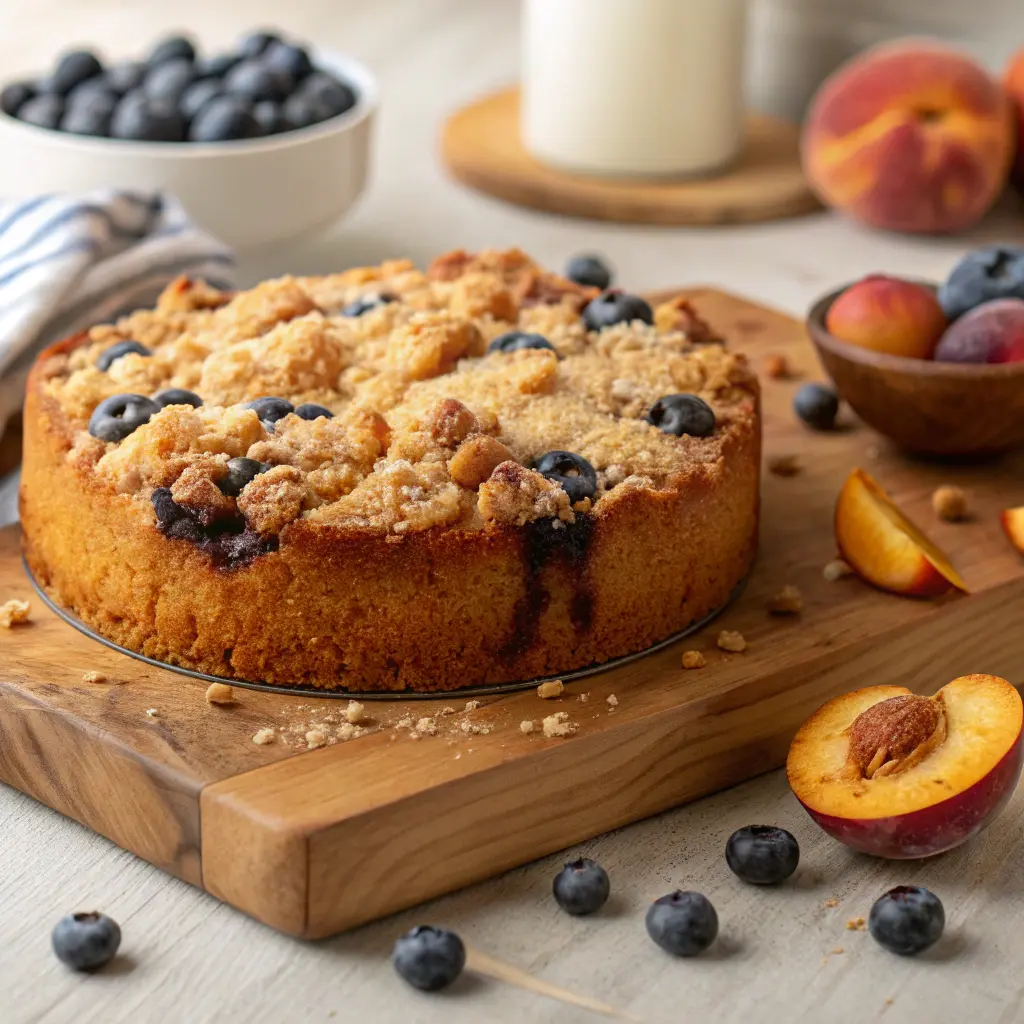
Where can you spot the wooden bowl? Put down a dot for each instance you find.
(924, 406)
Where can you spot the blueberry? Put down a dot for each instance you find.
(907, 920)
(589, 270)
(365, 303)
(86, 941)
(683, 923)
(762, 854)
(312, 411)
(44, 111)
(614, 307)
(120, 348)
(682, 414)
(172, 48)
(817, 406)
(292, 60)
(90, 115)
(120, 415)
(15, 96)
(270, 410)
(516, 341)
(167, 82)
(139, 118)
(429, 958)
(72, 68)
(197, 95)
(177, 396)
(329, 93)
(302, 111)
(572, 472)
(223, 119)
(125, 77)
(256, 82)
(581, 887)
(89, 90)
(270, 117)
(255, 43)
(994, 272)
(217, 66)
(241, 471)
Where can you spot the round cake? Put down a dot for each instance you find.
(389, 479)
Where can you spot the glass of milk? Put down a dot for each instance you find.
(633, 87)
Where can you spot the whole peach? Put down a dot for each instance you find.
(888, 315)
(1014, 82)
(910, 137)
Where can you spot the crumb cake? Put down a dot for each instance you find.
(390, 479)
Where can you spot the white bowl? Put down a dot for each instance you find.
(249, 193)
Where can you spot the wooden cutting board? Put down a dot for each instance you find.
(481, 147)
(317, 841)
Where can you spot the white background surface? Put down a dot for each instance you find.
(189, 959)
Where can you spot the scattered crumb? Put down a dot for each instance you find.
(889, 1002)
(472, 705)
(836, 570)
(152, 712)
(414, 735)
(788, 601)
(219, 693)
(403, 723)
(831, 902)
(856, 924)
(694, 659)
(776, 367)
(472, 729)
(785, 465)
(950, 503)
(612, 700)
(526, 726)
(583, 698)
(13, 612)
(549, 691)
(447, 710)
(315, 738)
(354, 713)
(94, 677)
(731, 640)
(837, 950)
(263, 736)
(427, 726)
(558, 726)
(348, 731)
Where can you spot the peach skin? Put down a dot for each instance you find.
(909, 137)
(884, 547)
(1013, 523)
(1014, 83)
(888, 315)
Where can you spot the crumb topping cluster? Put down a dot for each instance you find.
(429, 427)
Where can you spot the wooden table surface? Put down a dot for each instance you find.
(783, 955)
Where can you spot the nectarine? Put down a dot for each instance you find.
(884, 547)
(1014, 82)
(897, 775)
(888, 315)
(910, 137)
(1013, 523)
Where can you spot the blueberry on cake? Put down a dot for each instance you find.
(389, 479)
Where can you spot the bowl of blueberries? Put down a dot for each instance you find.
(264, 144)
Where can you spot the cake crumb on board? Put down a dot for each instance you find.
(856, 924)
(263, 736)
(784, 465)
(14, 613)
(950, 503)
(472, 705)
(526, 726)
(219, 693)
(93, 677)
(612, 700)
(558, 726)
(315, 738)
(550, 690)
(788, 601)
(694, 659)
(836, 570)
(831, 902)
(731, 640)
(152, 713)
(355, 712)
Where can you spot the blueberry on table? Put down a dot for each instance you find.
(124, 77)
(44, 111)
(993, 272)
(366, 303)
(907, 920)
(216, 66)
(581, 887)
(168, 81)
(15, 96)
(257, 82)
(256, 43)
(762, 854)
(110, 355)
(241, 471)
(270, 410)
(270, 117)
(588, 270)
(172, 48)
(614, 307)
(120, 415)
(291, 60)
(223, 119)
(73, 68)
(177, 396)
(516, 341)
(571, 472)
(90, 115)
(86, 941)
(817, 405)
(313, 411)
(197, 95)
(682, 923)
(142, 119)
(682, 414)
(429, 958)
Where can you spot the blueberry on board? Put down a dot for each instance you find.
(216, 66)
(257, 82)
(120, 415)
(168, 81)
(993, 272)
(142, 119)
(44, 111)
(86, 941)
(197, 95)
(15, 96)
(256, 43)
(682, 414)
(572, 472)
(177, 396)
(223, 119)
(817, 405)
(907, 920)
(328, 93)
(515, 341)
(109, 356)
(241, 471)
(429, 958)
(125, 77)
(172, 48)
(90, 115)
(762, 854)
(682, 923)
(588, 270)
(581, 887)
(614, 307)
(72, 68)
(312, 411)
(291, 60)
(270, 410)
(365, 303)
(270, 117)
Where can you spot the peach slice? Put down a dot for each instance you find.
(897, 775)
(885, 547)
(1013, 523)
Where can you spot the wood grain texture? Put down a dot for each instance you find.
(481, 147)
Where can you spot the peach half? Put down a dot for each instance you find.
(1013, 523)
(897, 775)
(884, 547)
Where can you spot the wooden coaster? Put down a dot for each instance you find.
(481, 147)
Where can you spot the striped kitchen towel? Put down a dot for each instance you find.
(69, 262)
